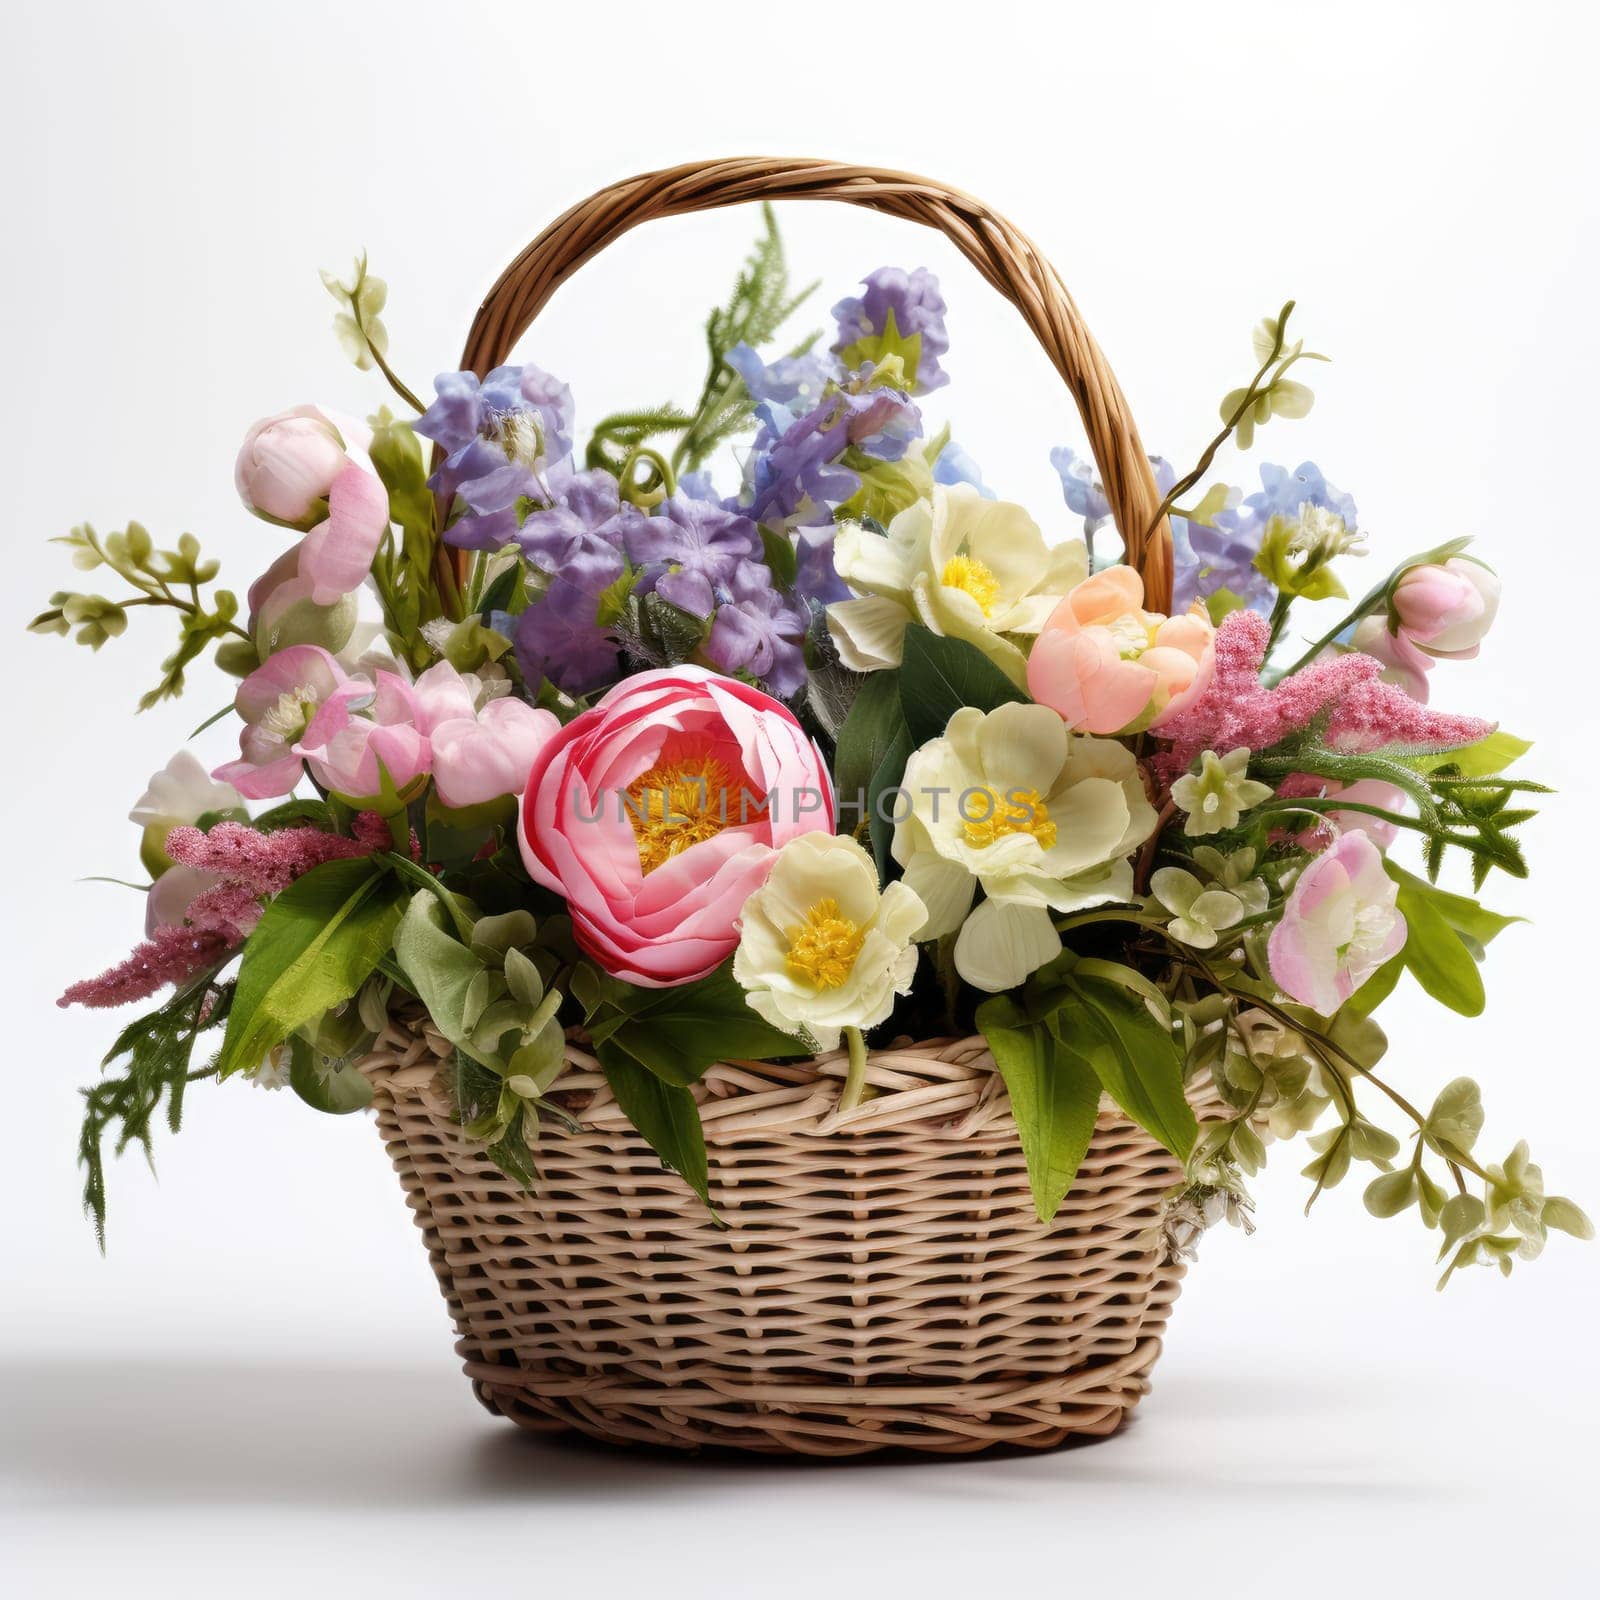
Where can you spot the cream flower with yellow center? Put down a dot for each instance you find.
(1042, 820)
(960, 565)
(820, 948)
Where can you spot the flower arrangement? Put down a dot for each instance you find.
(558, 739)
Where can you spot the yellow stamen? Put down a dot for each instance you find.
(825, 946)
(679, 804)
(971, 575)
(1018, 811)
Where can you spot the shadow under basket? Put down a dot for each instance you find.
(879, 1279)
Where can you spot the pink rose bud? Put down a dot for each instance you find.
(288, 463)
(1446, 610)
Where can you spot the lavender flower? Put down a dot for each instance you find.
(1284, 492)
(757, 634)
(898, 307)
(501, 434)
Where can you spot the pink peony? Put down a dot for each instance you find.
(478, 755)
(1109, 666)
(1446, 608)
(1338, 927)
(356, 755)
(657, 814)
(278, 702)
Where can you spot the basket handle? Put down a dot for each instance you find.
(1005, 257)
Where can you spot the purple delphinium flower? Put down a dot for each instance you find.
(794, 382)
(690, 550)
(913, 301)
(1080, 487)
(816, 582)
(757, 633)
(578, 543)
(795, 476)
(500, 435)
(956, 466)
(1223, 555)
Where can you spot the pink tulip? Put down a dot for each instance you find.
(278, 703)
(1403, 663)
(354, 754)
(720, 776)
(1447, 609)
(287, 465)
(478, 756)
(1338, 927)
(1109, 666)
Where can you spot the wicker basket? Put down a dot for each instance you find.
(880, 1278)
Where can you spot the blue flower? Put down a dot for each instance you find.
(758, 634)
(1080, 487)
(1284, 492)
(898, 306)
(500, 436)
(956, 466)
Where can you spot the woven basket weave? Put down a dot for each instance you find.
(877, 1278)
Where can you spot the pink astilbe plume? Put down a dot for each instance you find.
(252, 867)
(1364, 712)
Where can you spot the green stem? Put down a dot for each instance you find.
(383, 366)
(177, 605)
(1364, 609)
(855, 1083)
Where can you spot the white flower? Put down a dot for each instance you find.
(1041, 819)
(182, 792)
(1198, 914)
(820, 948)
(179, 794)
(272, 1071)
(1219, 794)
(960, 565)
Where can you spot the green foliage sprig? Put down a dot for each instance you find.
(760, 303)
(172, 579)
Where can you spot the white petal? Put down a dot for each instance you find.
(1001, 943)
(945, 888)
(870, 633)
(870, 563)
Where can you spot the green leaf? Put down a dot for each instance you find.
(1488, 756)
(782, 558)
(1055, 1097)
(315, 945)
(1135, 1058)
(1390, 1194)
(1435, 955)
(678, 1033)
(887, 778)
(940, 675)
(1472, 921)
(665, 1114)
(873, 725)
(1375, 990)
(337, 1090)
(440, 969)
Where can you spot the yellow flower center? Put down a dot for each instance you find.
(1019, 811)
(969, 574)
(676, 805)
(825, 946)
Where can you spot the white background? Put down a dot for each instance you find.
(256, 1387)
